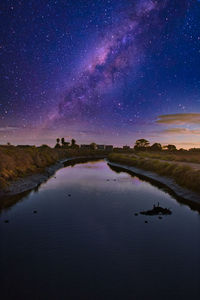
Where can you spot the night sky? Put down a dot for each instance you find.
(105, 71)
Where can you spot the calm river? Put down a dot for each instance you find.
(84, 241)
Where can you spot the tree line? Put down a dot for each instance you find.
(61, 143)
(143, 145)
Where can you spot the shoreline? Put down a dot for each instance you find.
(33, 181)
(185, 194)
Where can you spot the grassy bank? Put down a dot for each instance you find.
(183, 175)
(19, 162)
(174, 156)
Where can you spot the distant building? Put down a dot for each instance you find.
(109, 148)
(118, 149)
(75, 146)
(65, 145)
(126, 147)
(100, 147)
(83, 146)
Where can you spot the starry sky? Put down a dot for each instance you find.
(109, 71)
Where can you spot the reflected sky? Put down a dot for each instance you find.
(90, 245)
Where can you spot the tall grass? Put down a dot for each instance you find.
(18, 162)
(183, 175)
(174, 156)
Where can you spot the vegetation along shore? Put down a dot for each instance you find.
(28, 162)
(23, 167)
(184, 175)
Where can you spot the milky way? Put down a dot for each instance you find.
(120, 50)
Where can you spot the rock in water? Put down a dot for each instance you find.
(157, 210)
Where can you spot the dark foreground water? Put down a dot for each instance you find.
(90, 245)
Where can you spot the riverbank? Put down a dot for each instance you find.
(23, 169)
(33, 181)
(18, 162)
(181, 180)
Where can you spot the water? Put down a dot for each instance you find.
(90, 245)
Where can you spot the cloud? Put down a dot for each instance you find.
(181, 131)
(7, 128)
(179, 119)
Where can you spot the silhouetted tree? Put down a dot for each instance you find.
(170, 147)
(156, 147)
(141, 144)
(73, 142)
(44, 146)
(63, 141)
(182, 150)
(93, 146)
(57, 143)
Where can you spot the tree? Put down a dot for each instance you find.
(93, 146)
(156, 147)
(73, 142)
(141, 144)
(44, 146)
(57, 143)
(63, 141)
(182, 150)
(170, 147)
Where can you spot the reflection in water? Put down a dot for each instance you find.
(93, 244)
(82, 160)
(192, 205)
(8, 201)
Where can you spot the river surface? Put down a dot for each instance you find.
(85, 242)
